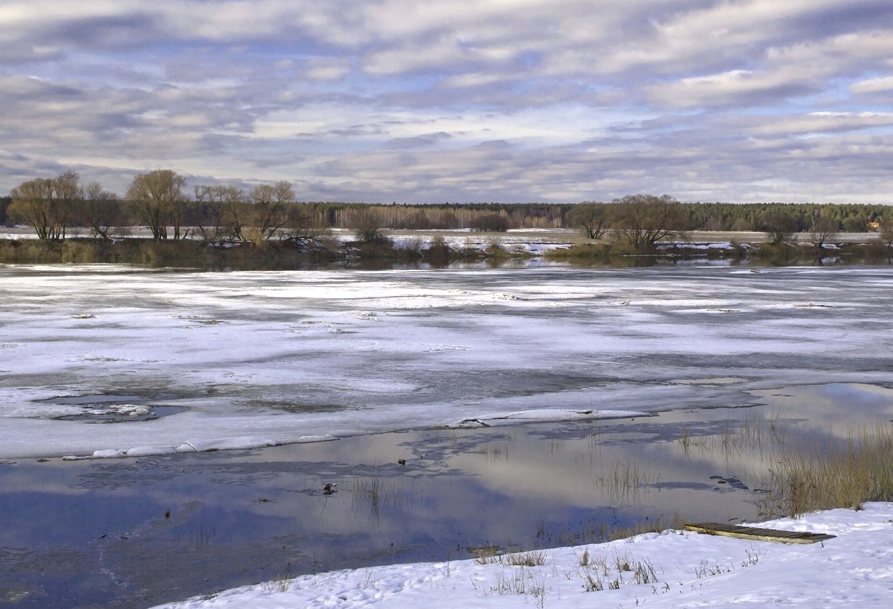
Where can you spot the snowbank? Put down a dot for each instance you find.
(669, 569)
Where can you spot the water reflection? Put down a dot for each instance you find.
(137, 532)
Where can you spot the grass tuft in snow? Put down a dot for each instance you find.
(280, 584)
(488, 555)
(707, 569)
(611, 573)
(521, 582)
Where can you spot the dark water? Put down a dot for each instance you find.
(138, 532)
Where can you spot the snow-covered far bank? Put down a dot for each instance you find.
(668, 569)
(105, 360)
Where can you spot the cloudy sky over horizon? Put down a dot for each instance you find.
(459, 100)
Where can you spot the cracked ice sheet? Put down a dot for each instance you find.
(256, 358)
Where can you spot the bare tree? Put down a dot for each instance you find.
(369, 230)
(32, 202)
(218, 212)
(68, 193)
(207, 213)
(235, 210)
(590, 218)
(885, 232)
(822, 229)
(642, 220)
(301, 231)
(270, 207)
(100, 210)
(158, 200)
(47, 204)
(781, 228)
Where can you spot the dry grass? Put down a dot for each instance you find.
(280, 584)
(800, 472)
(825, 477)
(654, 526)
(376, 492)
(521, 582)
(603, 572)
(524, 581)
(490, 556)
(625, 480)
(526, 559)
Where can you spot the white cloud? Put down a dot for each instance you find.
(327, 70)
(735, 87)
(873, 85)
(821, 123)
(589, 99)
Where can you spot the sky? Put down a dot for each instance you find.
(457, 101)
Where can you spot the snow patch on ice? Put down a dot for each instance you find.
(203, 445)
(544, 415)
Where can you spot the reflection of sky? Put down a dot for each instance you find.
(841, 407)
(240, 516)
(257, 357)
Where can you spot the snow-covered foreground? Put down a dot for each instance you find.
(670, 569)
(179, 361)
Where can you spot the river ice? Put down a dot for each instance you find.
(114, 360)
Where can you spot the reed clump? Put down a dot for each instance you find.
(490, 555)
(800, 470)
(808, 479)
(624, 480)
(603, 573)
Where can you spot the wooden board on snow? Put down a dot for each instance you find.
(758, 534)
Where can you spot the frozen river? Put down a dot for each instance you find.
(111, 361)
(533, 408)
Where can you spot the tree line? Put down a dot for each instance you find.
(161, 201)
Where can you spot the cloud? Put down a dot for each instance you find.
(422, 141)
(820, 124)
(873, 85)
(736, 87)
(327, 69)
(457, 100)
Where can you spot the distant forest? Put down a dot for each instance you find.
(498, 217)
(159, 200)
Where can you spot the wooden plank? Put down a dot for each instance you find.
(756, 533)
